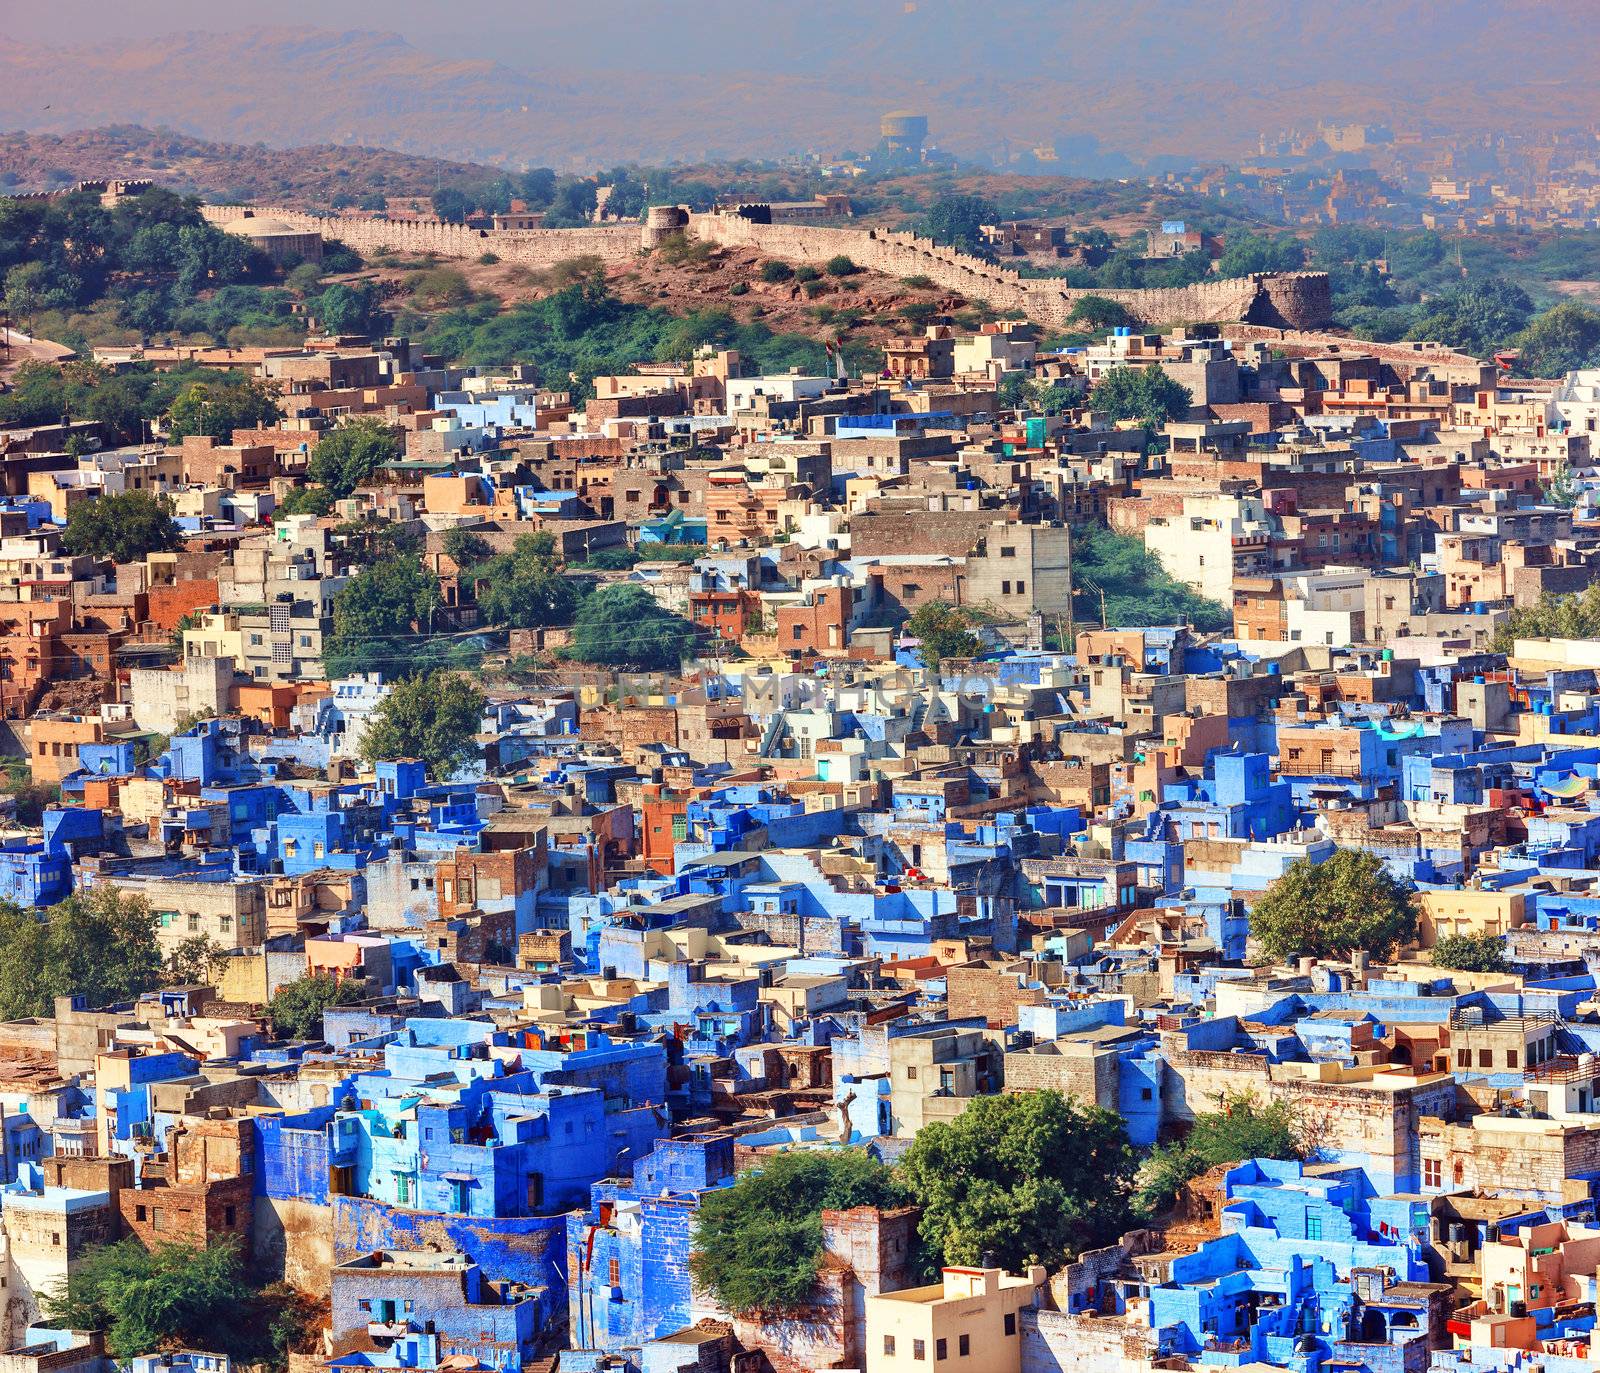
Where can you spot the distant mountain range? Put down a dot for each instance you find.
(579, 87)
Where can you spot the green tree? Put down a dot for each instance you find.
(1559, 341)
(841, 266)
(192, 960)
(1145, 394)
(218, 408)
(381, 613)
(467, 549)
(758, 1244)
(1117, 575)
(943, 632)
(1033, 1177)
(1477, 318)
(1471, 953)
(611, 560)
(1241, 1128)
(451, 204)
(1333, 908)
(296, 1011)
(526, 588)
(433, 717)
(32, 798)
(175, 1296)
(306, 500)
(99, 943)
(124, 527)
(1563, 489)
(955, 220)
(347, 456)
(624, 626)
(1096, 312)
(1552, 616)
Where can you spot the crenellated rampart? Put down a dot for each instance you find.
(531, 247)
(1296, 300)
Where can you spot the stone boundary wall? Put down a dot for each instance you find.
(1298, 340)
(1298, 300)
(530, 247)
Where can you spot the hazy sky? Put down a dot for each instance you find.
(563, 79)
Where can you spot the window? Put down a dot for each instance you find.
(1511, 1058)
(941, 1350)
(1005, 588)
(158, 1218)
(1022, 588)
(965, 1346)
(225, 923)
(1485, 1058)
(1011, 1322)
(1313, 1226)
(228, 1215)
(614, 1273)
(888, 1346)
(1432, 1173)
(140, 1213)
(911, 1074)
(1463, 1058)
(1008, 552)
(799, 631)
(919, 1349)
(194, 924)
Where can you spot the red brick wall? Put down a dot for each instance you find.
(169, 604)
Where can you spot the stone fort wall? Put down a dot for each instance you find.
(1296, 300)
(531, 247)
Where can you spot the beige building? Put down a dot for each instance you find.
(935, 1072)
(1441, 914)
(1219, 536)
(166, 699)
(970, 1322)
(231, 912)
(1021, 568)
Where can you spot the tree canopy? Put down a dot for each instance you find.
(1138, 590)
(955, 220)
(122, 527)
(1241, 1128)
(296, 1011)
(624, 626)
(380, 615)
(1030, 1177)
(1552, 616)
(1330, 909)
(99, 943)
(1477, 318)
(757, 1245)
(1561, 340)
(1471, 953)
(175, 1296)
(1145, 394)
(349, 455)
(218, 408)
(433, 716)
(525, 588)
(943, 632)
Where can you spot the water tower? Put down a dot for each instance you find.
(903, 132)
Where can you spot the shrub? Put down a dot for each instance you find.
(774, 271)
(841, 266)
(488, 259)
